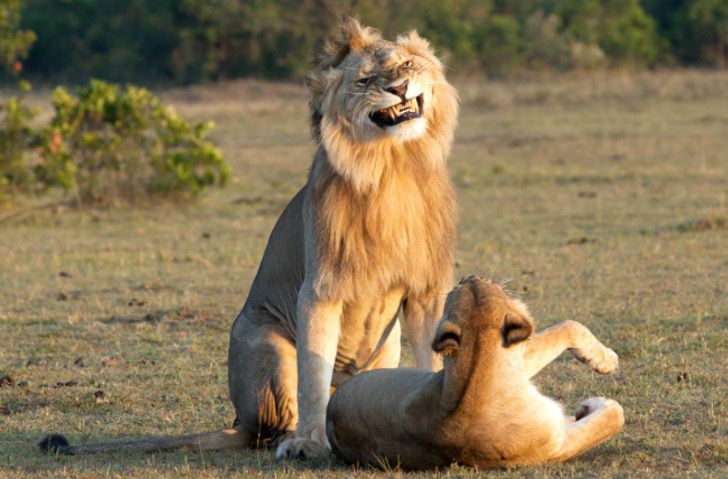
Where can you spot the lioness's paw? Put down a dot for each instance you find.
(602, 360)
(607, 362)
(315, 445)
(595, 404)
(589, 406)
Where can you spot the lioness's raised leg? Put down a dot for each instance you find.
(262, 378)
(546, 345)
(598, 419)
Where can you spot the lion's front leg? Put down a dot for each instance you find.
(317, 340)
(421, 314)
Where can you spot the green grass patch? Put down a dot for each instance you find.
(604, 204)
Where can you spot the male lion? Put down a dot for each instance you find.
(370, 232)
(481, 410)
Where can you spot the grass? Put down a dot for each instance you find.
(601, 198)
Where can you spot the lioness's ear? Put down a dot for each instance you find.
(516, 328)
(447, 337)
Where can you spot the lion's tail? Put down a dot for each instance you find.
(205, 441)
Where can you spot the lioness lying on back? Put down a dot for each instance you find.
(481, 410)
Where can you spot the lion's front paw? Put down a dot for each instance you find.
(314, 445)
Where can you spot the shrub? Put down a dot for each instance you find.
(498, 44)
(16, 134)
(111, 143)
(14, 42)
(16, 140)
(546, 45)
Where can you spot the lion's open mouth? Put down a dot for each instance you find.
(399, 113)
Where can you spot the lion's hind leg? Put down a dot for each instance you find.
(263, 381)
(597, 419)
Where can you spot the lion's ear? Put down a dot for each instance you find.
(315, 82)
(354, 37)
(447, 337)
(416, 45)
(516, 328)
(414, 40)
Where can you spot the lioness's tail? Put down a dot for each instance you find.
(205, 441)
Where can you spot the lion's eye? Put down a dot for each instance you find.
(407, 64)
(364, 81)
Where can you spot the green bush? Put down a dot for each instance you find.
(16, 134)
(708, 21)
(113, 144)
(14, 42)
(498, 44)
(17, 139)
(629, 34)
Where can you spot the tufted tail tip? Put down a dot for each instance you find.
(55, 444)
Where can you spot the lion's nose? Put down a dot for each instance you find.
(400, 89)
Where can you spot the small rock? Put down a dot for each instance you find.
(7, 382)
(100, 397)
(136, 302)
(582, 240)
(67, 384)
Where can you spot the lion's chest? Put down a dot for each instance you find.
(396, 236)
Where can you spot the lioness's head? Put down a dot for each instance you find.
(369, 92)
(478, 310)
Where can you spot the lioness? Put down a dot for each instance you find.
(370, 232)
(482, 409)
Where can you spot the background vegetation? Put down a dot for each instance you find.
(107, 144)
(187, 41)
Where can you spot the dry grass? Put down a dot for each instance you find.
(602, 198)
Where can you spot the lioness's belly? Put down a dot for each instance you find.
(365, 326)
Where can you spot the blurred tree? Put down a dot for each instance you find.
(14, 42)
(194, 40)
(16, 134)
(498, 44)
(692, 31)
(120, 39)
(709, 30)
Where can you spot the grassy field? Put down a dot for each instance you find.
(602, 199)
